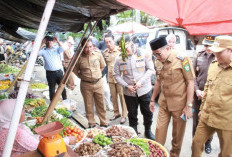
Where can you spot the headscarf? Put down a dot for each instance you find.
(6, 112)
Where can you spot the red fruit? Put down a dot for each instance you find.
(69, 131)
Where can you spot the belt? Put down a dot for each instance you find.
(53, 71)
(93, 82)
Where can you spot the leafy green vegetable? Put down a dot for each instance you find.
(39, 111)
(65, 122)
(140, 142)
(3, 96)
(63, 112)
(7, 69)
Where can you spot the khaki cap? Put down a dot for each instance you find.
(221, 43)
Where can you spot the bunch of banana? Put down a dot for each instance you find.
(2, 87)
(122, 45)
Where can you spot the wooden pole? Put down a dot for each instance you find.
(66, 76)
(18, 75)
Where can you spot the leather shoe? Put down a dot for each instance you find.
(92, 126)
(208, 148)
(123, 120)
(104, 125)
(149, 134)
(115, 117)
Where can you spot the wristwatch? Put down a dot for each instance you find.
(190, 105)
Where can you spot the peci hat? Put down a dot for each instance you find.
(221, 43)
(209, 40)
(158, 43)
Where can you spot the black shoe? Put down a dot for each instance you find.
(115, 117)
(148, 134)
(208, 148)
(92, 126)
(105, 126)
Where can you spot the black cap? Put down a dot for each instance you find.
(49, 38)
(158, 43)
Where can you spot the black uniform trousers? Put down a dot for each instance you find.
(132, 104)
(53, 78)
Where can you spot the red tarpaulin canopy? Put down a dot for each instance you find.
(199, 17)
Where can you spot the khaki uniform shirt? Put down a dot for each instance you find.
(88, 68)
(173, 75)
(217, 102)
(110, 57)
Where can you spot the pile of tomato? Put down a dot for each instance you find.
(74, 131)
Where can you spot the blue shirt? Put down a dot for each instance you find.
(52, 58)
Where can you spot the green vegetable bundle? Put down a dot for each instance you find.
(141, 143)
(7, 69)
(38, 86)
(39, 111)
(122, 45)
(63, 112)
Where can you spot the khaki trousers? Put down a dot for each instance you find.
(204, 132)
(116, 89)
(94, 94)
(178, 129)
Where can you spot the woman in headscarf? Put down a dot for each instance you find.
(25, 140)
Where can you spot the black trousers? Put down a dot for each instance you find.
(132, 104)
(196, 106)
(53, 78)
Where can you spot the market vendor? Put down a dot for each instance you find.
(53, 64)
(25, 140)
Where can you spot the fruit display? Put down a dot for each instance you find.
(91, 133)
(125, 150)
(4, 84)
(74, 131)
(34, 102)
(7, 69)
(39, 111)
(38, 85)
(87, 149)
(102, 140)
(118, 131)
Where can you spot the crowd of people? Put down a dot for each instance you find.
(200, 88)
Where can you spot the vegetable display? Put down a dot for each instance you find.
(95, 131)
(63, 112)
(7, 69)
(4, 84)
(15, 94)
(39, 111)
(34, 102)
(87, 149)
(140, 142)
(118, 131)
(38, 85)
(74, 131)
(3, 96)
(102, 140)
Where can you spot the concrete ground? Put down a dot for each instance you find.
(39, 74)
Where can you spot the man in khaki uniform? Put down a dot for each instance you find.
(115, 88)
(175, 78)
(89, 69)
(216, 107)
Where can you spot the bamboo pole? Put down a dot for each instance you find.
(66, 75)
(18, 75)
(26, 80)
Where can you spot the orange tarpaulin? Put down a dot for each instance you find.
(199, 17)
